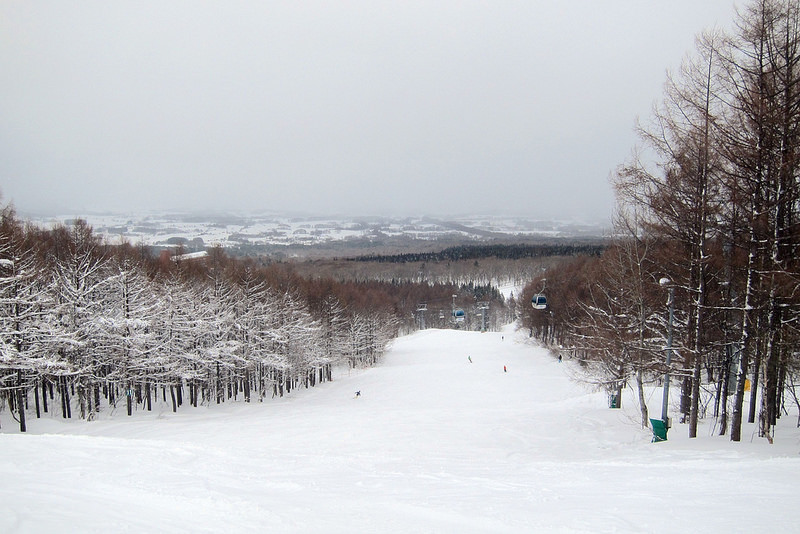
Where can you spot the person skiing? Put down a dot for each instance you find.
(358, 393)
(469, 358)
(559, 358)
(504, 369)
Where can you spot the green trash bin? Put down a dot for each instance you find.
(659, 430)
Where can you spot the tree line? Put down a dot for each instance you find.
(502, 251)
(713, 225)
(87, 326)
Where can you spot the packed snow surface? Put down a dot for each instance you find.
(434, 443)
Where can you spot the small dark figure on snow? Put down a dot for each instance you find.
(469, 358)
(504, 369)
(358, 393)
(559, 358)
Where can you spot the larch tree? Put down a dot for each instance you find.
(24, 330)
(760, 145)
(80, 276)
(680, 197)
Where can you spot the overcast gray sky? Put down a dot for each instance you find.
(350, 107)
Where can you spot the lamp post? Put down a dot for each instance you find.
(666, 282)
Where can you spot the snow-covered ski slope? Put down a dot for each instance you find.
(434, 443)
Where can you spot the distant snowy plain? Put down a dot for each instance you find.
(434, 443)
(158, 229)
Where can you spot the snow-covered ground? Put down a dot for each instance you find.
(510, 288)
(433, 444)
(159, 229)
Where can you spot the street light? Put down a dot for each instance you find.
(666, 282)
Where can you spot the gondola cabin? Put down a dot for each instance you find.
(539, 302)
(459, 315)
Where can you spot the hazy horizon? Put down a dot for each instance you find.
(212, 214)
(364, 108)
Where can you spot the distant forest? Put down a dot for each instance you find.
(500, 251)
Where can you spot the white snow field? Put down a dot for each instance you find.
(433, 444)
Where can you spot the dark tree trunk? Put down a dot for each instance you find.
(148, 397)
(44, 394)
(725, 377)
(754, 383)
(695, 404)
(21, 403)
(66, 409)
(686, 397)
(219, 386)
(172, 396)
(36, 396)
